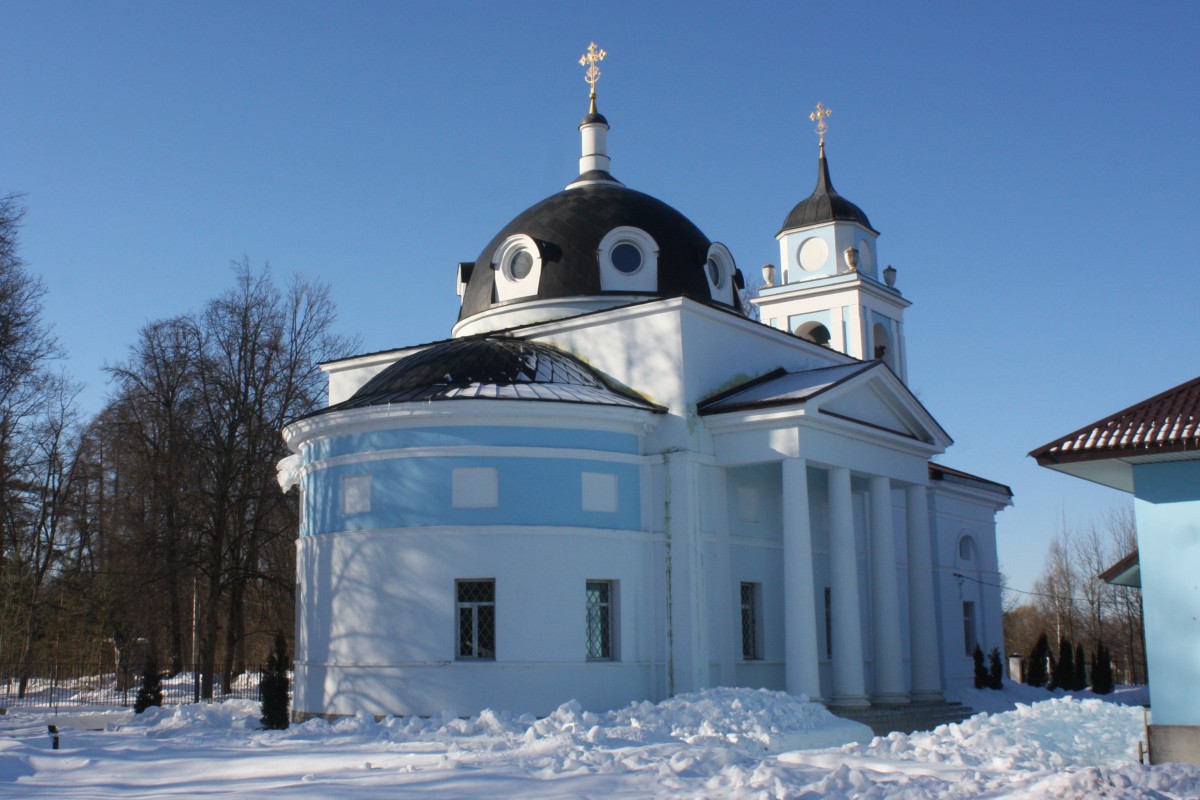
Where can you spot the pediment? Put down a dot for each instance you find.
(866, 394)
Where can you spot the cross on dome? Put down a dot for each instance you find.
(819, 116)
(590, 59)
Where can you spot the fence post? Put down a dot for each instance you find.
(53, 736)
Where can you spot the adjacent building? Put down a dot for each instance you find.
(1152, 451)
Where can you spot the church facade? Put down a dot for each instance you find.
(611, 484)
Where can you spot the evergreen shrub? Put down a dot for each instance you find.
(273, 690)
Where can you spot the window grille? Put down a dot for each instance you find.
(750, 649)
(600, 596)
(969, 627)
(477, 619)
(828, 623)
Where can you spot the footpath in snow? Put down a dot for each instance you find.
(720, 743)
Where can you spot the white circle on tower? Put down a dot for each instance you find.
(813, 253)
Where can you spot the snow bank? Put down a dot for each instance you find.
(720, 743)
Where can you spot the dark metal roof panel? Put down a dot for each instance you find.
(781, 388)
(491, 368)
(824, 205)
(568, 227)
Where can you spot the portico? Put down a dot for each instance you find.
(854, 515)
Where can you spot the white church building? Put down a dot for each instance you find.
(612, 484)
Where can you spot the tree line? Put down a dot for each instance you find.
(1072, 617)
(155, 528)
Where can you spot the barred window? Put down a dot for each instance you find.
(828, 623)
(600, 600)
(750, 629)
(476, 619)
(969, 640)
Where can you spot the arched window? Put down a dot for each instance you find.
(814, 332)
(967, 551)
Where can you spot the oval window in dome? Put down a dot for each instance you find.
(626, 257)
(714, 273)
(520, 265)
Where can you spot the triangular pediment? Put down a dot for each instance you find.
(866, 394)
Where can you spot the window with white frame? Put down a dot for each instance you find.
(601, 598)
(751, 626)
(476, 619)
(628, 259)
(356, 494)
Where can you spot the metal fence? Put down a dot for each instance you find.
(58, 685)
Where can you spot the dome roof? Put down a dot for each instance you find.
(491, 368)
(824, 204)
(568, 228)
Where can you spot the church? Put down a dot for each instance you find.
(612, 483)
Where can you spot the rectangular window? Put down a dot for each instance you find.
(474, 487)
(751, 632)
(601, 597)
(969, 627)
(356, 494)
(476, 619)
(828, 623)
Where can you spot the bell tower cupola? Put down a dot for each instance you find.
(830, 288)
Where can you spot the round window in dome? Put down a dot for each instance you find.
(714, 273)
(626, 257)
(520, 264)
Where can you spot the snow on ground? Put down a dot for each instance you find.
(719, 743)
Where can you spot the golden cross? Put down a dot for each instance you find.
(590, 59)
(819, 116)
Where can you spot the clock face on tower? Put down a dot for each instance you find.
(812, 254)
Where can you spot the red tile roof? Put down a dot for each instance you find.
(1166, 423)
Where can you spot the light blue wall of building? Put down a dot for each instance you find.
(1167, 507)
(417, 492)
(461, 436)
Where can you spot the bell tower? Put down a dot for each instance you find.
(829, 288)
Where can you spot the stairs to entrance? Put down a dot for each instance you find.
(907, 718)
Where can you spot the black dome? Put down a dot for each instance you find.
(491, 368)
(568, 227)
(825, 205)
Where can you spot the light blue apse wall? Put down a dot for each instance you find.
(416, 491)
(1167, 508)
(460, 436)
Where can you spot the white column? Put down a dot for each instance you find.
(727, 648)
(688, 667)
(848, 685)
(887, 652)
(799, 605)
(922, 616)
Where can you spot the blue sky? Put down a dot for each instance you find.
(1032, 168)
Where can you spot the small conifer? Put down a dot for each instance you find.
(1080, 681)
(1102, 672)
(150, 692)
(1035, 673)
(1064, 667)
(981, 673)
(995, 670)
(273, 690)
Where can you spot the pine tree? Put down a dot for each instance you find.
(1102, 672)
(1035, 673)
(981, 674)
(995, 670)
(1080, 681)
(1064, 667)
(273, 690)
(150, 693)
